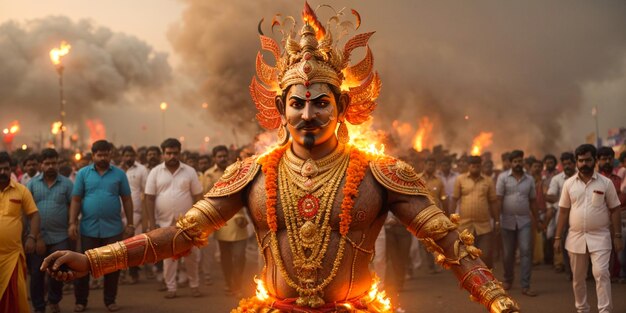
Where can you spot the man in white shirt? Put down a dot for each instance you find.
(171, 188)
(30, 165)
(137, 175)
(568, 162)
(590, 202)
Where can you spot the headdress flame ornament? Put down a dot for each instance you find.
(315, 59)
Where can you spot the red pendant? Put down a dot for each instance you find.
(308, 206)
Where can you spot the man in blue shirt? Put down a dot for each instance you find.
(516, 197)
(97, 191)
(52, 194)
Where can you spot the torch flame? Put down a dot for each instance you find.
(422, 137)
(364, 138)
(309, 17)
(483, 140)
(261, 291)
(57, 53)
(56, 127)
(78, 156)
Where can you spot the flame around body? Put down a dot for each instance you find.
(57, 53)
(422, 137)
(366, 139)
(482, 141)
(261, 291)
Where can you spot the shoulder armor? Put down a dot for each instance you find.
(236, 177)
(397, 176)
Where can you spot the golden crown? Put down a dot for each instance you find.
(315, 59)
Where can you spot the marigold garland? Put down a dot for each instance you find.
(269, 167)
(355, 174)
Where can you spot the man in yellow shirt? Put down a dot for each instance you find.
(15, 200)
(477, 196)
(435, 187)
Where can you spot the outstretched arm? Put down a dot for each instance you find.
(192, 229)
(452, 250)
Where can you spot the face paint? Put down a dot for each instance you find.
(311, 111)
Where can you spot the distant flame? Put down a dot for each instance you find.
(163, 106)
(78, 156)
(57, 53)
(55, 128)
(309, 17)
(261, 291)
(366, 139)
(403, 129)
(482, 141)
(97, 130)
(422, 137)
(377, 299)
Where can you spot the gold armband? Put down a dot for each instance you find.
(431, 223)
(485, 289)
(202, 219)
(107, 259)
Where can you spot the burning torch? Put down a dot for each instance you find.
(55, 56)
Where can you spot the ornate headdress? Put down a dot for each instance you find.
(315, 59)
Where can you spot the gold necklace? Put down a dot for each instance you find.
(311, 174)
(308, 227)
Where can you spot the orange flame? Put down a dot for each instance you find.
(57, 53)
(97, 130)
(422, 137)
(261, 291)
(265, 142)
(55, 128)
(483, 140)
(309, 17)
(13, 128)
(366, 139)
(78, 156)
(376, 299)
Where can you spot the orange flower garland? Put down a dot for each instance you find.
(269, 164)
(355, 173)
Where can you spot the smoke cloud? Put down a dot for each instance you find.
(513, 68)
(102, 68)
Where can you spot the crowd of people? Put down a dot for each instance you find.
(563, 212)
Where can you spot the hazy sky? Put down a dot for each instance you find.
(432, 57)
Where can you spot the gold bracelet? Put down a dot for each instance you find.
(108, 259)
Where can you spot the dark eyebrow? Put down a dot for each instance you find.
(316, 98)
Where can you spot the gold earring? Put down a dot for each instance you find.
(283, 135)
(343, 136)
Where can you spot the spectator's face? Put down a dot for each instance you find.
(506, 164)
(605, 163)
(474, 169)
(245, 153)
(586, 163)
(153, 158)
(192, 162)
(171, 156)
(221, 159)
(49, 167)
(536, 168)
(31, 167)
(102, 159)
(5, 173)
(568, 167)
(129, 158)
(445, 167)
(517, 164)
(550, 164)
(487, 168)
(430, 167)
(203, 164)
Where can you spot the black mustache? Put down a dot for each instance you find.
(309, 124)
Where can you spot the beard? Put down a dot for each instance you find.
(130, 163)
(172, 162)
(103, 164)
(518, 168)
(585, 169)
(4, 178)
(309, 141)
(569, 171)
(607, 168)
